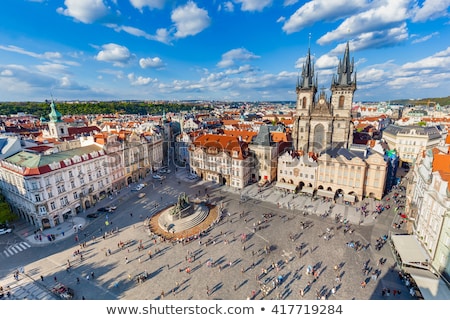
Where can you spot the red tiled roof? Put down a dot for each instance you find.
(223, 143)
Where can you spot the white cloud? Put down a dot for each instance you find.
(151, 4)
(114, 53)
(425, 38)
(139, 81)
(6, 73)
(227, 6)
(190, 20)
(162, 35)
(253, 5)
(289, 2)
(327, 61)
(388, 14)
(322, 10)
(45, 55)
(86, 11)
(229, 58)
(155, 62)
(431, 9)
(52, 68)
(440, 60)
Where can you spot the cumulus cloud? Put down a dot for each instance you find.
(327, 61)
(151, 4)
(155, 62)
(253, 5)
(322, 10)
(189, 20)
(139, 81)
(86, 11)
(440, 60)
(431, 9)
(388, 14)
(229, 58)
(116, 54)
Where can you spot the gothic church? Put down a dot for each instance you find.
(327, 122)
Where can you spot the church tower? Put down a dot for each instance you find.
(326, 123)
(56, 126)
(343, 87)
(306, 92)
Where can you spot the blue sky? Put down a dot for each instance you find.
(236, 50)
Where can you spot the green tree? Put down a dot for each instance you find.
(6, 215)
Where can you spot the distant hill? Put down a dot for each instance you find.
(445, 101)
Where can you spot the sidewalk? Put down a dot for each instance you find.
(298, 203)
(67, 229)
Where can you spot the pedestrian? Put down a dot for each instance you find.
(54, 278)
(301, 293)
(78, 280)
(42, 278)
(126, 260)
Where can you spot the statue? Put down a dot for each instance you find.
(182, 208)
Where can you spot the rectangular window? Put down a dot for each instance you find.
(37, 197)
(52, 205)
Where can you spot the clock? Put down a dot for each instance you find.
(321, 101)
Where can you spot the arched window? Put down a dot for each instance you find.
(304, 103)
(341, 102)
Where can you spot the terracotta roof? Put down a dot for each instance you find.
(278, 136)
(223, 143)
(287, 122)
(228, 122)
(245, 135)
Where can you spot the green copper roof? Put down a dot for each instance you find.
(54, 115)
(33, 160)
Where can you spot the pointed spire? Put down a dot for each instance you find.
(345, 69)
(307, 72)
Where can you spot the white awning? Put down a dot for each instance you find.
(325, 193)
(349, 197)
(309, 190)
(284, 185)
(409, 249)
(431, 287)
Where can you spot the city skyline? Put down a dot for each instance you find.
(239, 50)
